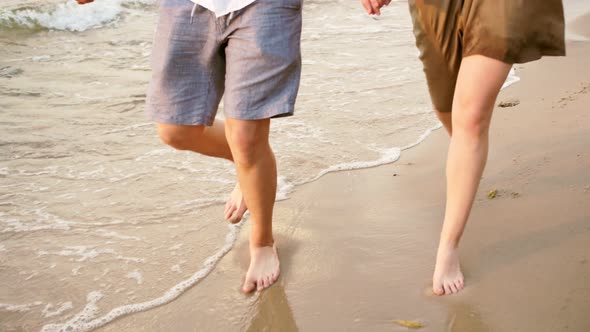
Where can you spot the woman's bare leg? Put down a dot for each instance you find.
(479, 82)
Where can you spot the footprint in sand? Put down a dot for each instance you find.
(10, 72)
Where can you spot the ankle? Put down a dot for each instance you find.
(260, 243)
(447, 244)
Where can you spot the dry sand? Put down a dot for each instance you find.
(358, 247)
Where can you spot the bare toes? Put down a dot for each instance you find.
(447, 289)
(453, 288)
(235, 217)
(249, 286)
(260, 284)
(229, 211)
(438, 290)
(267, 282)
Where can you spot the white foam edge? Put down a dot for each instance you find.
(391, 155)
(388, 156)
(47, 311)
(68, 15)
(19, 307)
(79, 324)
(511, 79)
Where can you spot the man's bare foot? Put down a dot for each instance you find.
(235, 206)
(264, 269)
(447, 278)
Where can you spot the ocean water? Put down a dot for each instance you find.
(95, 210)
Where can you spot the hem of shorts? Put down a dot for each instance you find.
(272, 113)
(182, 121)
(506, 58)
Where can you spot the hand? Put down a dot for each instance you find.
(373, 7)
(82, 2)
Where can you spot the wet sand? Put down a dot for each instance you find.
(358, 247)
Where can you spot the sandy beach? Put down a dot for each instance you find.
(358, 247)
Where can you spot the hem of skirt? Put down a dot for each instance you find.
(524, 56)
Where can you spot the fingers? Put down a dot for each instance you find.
(384, 3)
(367, 5)
(373, 7)
(376, 7)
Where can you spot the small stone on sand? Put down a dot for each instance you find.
(508, 103)
(408, 323)
(492, 194)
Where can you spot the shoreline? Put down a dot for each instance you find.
(358, 246)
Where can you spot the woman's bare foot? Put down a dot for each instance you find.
(447, 278)
(264, 269)
(235, 206)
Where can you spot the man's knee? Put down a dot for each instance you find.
(179, 137)
(247, 145)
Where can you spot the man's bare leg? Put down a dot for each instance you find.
(210, 141)
(257, 174)
(478, 84)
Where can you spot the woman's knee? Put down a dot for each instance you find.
(471, 116)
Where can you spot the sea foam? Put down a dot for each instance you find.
(68, 15)
(87, 320)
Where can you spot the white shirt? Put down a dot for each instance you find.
(223, 7)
